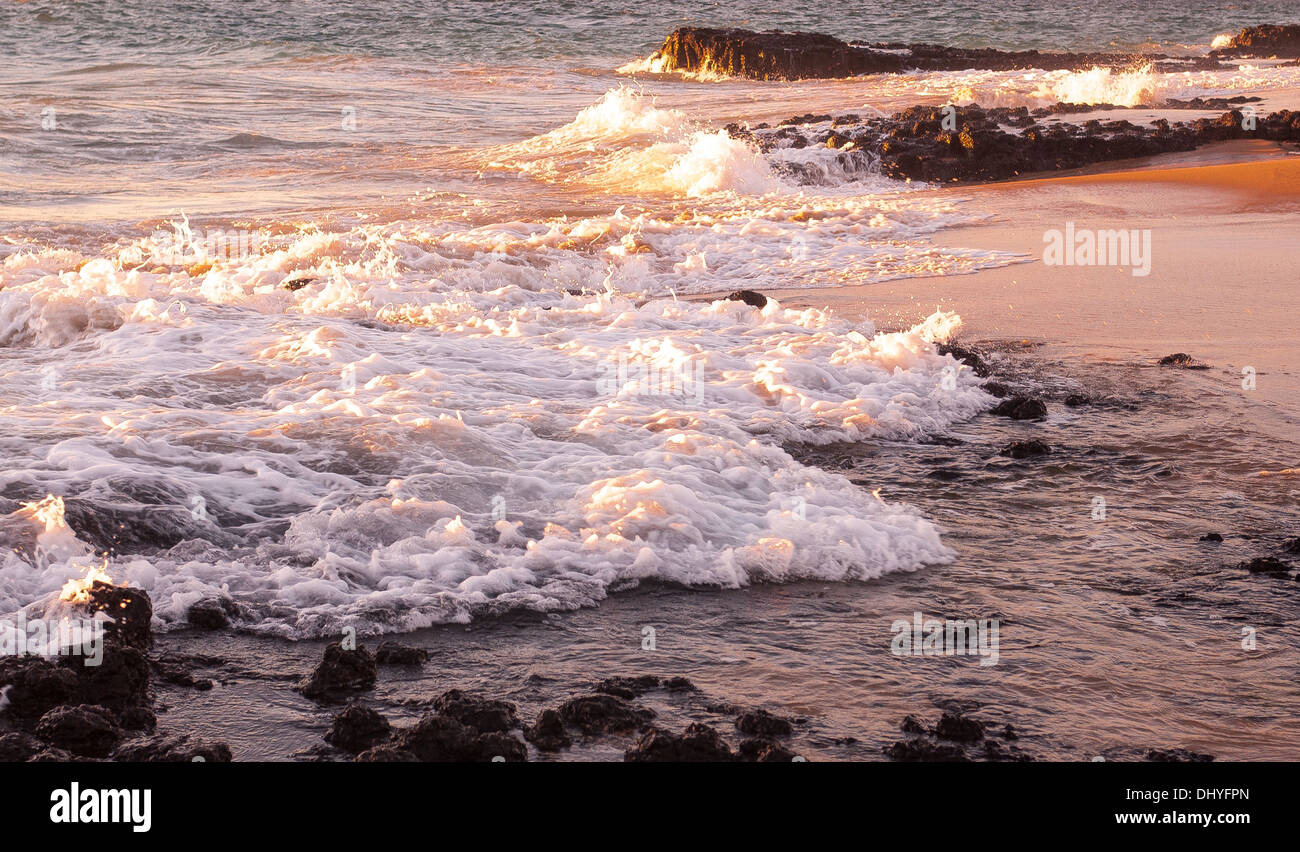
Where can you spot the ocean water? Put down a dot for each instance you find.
(493, 390)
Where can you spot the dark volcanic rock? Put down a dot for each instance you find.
(603, 714)
(496, 746)
(441, 739)
(1026, 449)
(84, 729)
(119, 682)
(699, 744)
(52, 755)
(770, 55)
(341, 670)
(1291, 545)
(925, 751)
(37, 686)
(1266, 40)
(1177, 755)
(972, 358)
(16, 747)
(397, 654)
(759, 750)
(1212, 537)
(681, 684)
(628, 687)
(798, 55)
(386, 754)
(122, 525)
(297, 284)
(954, 726)
(481, 714)
(212, 613)
(548, 733)
(358, 728)
(130, 609)
(137, 719)
(1021, 408)
(972, 143)
(760, 723)
(172, 748)
(750, 297)
(1075, 400)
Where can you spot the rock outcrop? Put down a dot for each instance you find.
(778, 55)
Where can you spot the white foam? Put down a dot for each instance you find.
(385, 445)
(435, 427)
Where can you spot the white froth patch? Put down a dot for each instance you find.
(448, 437)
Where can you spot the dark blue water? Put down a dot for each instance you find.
(494, 32)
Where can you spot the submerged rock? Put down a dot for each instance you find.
(1212, 537)
(750, 297)
(397, 654)
(1026, 449)
(954, 726)
(342, 670)
(913, 725)
(698, 744)
(603, 714)
(212, 613)
(1183, 360)
(1266, 565)
(1021, 408)
(548, 733)
(628, 687)
(358, 728)
(760, 723)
